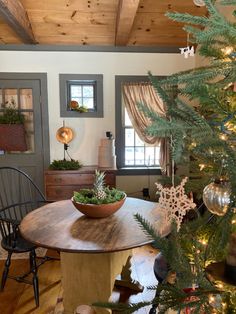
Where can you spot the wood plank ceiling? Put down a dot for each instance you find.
(94, 22)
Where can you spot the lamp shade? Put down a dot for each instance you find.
(64, 135)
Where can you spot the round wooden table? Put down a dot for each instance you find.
(93, 251)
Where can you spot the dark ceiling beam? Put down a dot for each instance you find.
(16, 17)
(127, 10)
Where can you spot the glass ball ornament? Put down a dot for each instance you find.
(160, 267)
(216, 197)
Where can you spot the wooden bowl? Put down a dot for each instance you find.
(99, 210)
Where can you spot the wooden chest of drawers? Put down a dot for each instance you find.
(60, 185)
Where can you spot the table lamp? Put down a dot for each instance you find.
(65, 135)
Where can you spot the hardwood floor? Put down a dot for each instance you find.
(18, 298)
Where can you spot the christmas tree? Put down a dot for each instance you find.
(201, 129)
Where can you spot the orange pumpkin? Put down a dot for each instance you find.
(74, 104)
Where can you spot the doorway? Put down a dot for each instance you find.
(28, 93)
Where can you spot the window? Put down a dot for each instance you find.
(86, 90)
(84, 93)
(137, 153)
(133, 155)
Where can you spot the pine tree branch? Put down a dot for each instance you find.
(228, 2)
(121, 307)
(151, 232)
(201, 74)
(212, 9)
(160, 91)
(187, 18)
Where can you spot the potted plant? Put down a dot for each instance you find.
(100, 201)
(12, 131)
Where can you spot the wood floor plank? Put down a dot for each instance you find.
(13, 290)
(18, 298)
(49, 286)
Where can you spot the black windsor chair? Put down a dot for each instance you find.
(19, 195)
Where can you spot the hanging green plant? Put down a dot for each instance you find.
(12, 130)
(11, 115)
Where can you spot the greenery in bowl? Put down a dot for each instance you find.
(99, 194)
(87, 196)
(65, 165)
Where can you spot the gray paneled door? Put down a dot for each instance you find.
(29, 96)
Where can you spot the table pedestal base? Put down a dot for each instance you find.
(88, 278)
(125, 279)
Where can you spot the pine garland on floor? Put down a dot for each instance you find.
(205, 135)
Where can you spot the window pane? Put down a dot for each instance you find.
(150, 156)
(139, 155)
(88, 102)
(11, 97)
(78, 99)
(129, 156)
(26, 98)
(157, 160)
(138, 141)
(127, 119)
(129, 137)
(75, 91)
(88, 91)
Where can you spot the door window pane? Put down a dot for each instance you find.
(26, 98)
(25, 107)
(11, 99)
